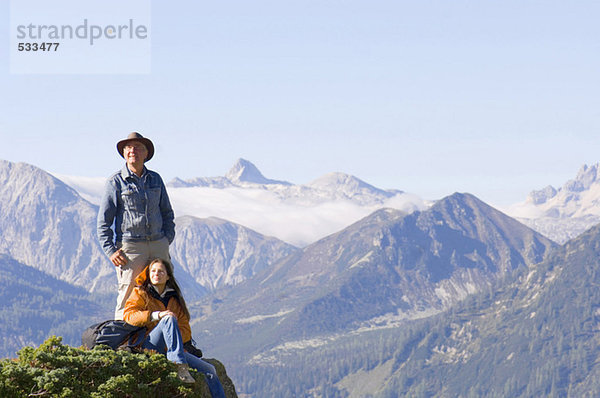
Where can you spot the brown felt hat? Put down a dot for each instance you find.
(135, 136)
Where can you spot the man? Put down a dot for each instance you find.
(136, 203)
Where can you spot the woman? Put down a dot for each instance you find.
(157, 304)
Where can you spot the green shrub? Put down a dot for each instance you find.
(57, 370)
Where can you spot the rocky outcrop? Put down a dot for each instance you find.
(227, 383)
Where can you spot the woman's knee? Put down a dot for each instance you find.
(168, 319)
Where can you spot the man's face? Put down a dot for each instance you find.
(135, 152)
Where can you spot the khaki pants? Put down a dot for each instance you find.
(139, 255)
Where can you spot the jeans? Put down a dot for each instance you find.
(166, 337)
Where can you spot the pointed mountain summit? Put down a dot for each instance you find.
(586, 178)
(338, 189)
(244, 171)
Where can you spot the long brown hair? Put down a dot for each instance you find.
(171, 282)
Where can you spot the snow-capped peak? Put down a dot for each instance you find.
(298, 214)
(586, 178)
(245, 171)
(347, 183)
(563, 213)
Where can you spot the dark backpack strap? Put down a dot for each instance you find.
(89, 336)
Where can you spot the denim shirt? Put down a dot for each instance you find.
(139, 208)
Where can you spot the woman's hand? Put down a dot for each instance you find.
(163, 314)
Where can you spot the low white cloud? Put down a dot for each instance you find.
(89, 188)
(294, 221)
(265, 211)
(524, 210)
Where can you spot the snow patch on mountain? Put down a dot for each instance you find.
(259, 318)
(275, 355)
(345, 186)
(394, 320)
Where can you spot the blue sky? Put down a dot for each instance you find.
(431, 97)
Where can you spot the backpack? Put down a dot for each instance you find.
(113, 334)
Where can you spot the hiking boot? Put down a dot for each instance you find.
(183, 373)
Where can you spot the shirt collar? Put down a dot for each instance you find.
(126, 173)
(167, 290)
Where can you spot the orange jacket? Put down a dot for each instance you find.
(140, 306)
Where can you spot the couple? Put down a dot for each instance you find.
(135, 227)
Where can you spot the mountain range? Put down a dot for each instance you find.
(378, 273)
(329, 203)
(242, 173)
(532, 334)
(332, 186)
(45, 224)
(535, 336)
(398, 300)
(298, 214)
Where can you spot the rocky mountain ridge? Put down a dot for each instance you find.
(536, 336)
(563, 213)
(533, 334)
(219, 253)
(242, 173)
(385, 269)
(47, 225)
(332, 186)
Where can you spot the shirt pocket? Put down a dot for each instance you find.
(154, 198)
(130, 199)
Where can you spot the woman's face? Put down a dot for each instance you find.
(158, 274)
